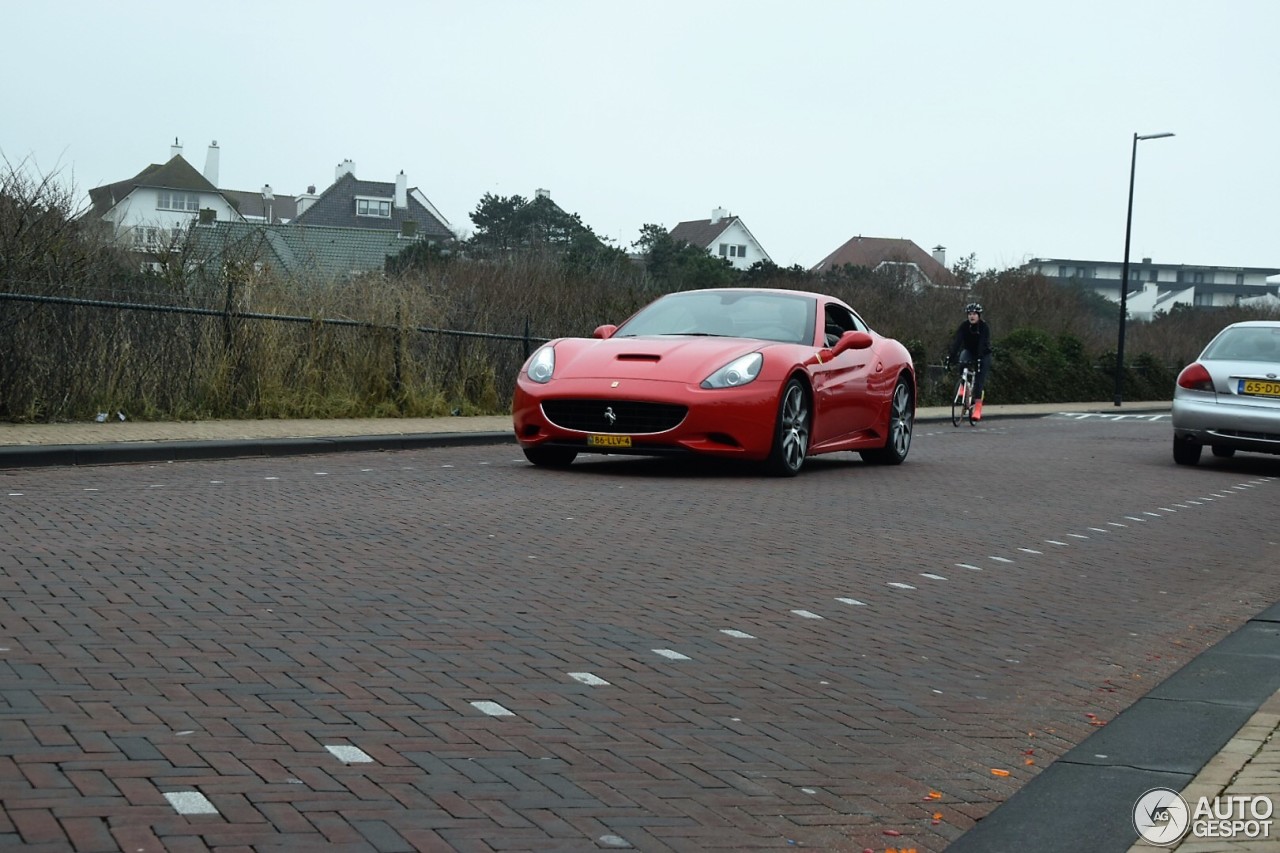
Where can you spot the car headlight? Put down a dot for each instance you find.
(542, 364)
(738, 372)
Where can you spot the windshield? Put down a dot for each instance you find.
(1246, 343)
(779, 317)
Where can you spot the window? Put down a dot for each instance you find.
(1081, 272)
(1239, 278)
(1062, 271)
(1197, 278)
(373, 207)
(724, 250)
(1153, 276)
(170, 200)
(1182, 276)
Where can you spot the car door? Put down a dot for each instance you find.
(842, 403)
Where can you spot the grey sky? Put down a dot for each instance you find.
(1000, 129)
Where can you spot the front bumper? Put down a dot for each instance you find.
(727, 422)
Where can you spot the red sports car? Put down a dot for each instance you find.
(771, 376)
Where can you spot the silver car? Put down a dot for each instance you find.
(1229, 398)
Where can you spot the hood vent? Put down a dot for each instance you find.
(638, 356)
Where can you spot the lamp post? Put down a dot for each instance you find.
(1124, 270)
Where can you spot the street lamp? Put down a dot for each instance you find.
(1124, 271)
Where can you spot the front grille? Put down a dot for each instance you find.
(630, 417)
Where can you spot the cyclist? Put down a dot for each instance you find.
(972, 343)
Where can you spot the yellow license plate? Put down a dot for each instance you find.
(1259, 388)
(608, 441)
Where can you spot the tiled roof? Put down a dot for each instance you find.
(336, 206)
(317, 252)
(252, 204)
(177, 174)
(701, 232)
(871, 252)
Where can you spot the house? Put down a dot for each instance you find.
(155, 206)
(886, 253)
(352, 227)
(1154, 288)
(377, 205)
(725, 235)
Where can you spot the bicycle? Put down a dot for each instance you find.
(962, 403)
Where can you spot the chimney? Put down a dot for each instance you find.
(346, 167)
(940, 255)
(718, 214)
(307, 199)
(175, 149)
(541, 193)
(402, 191)
(268, 197)
(211, 163)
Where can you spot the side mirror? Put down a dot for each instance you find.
(851, 340)
(605, 331)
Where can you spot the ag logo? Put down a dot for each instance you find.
(1161, 816)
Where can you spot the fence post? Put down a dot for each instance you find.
(226, 319)
(526, 337)
(397, 381)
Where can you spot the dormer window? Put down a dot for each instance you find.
(167, 200)
(379, 207)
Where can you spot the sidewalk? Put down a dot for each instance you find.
(1209, 730)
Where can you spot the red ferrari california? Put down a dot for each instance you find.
(770, 376)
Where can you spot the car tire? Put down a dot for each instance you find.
(791, 432)
(901, 423)
(1222, 452)
(550, 457)
(1186, 452)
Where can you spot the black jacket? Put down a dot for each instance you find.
(974, 337)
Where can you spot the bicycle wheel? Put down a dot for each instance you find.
(958, 408)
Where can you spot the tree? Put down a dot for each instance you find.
(509, 224)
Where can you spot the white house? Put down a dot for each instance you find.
(155, 207)
(725, 235)
(1154, 288)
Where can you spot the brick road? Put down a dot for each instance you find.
(451, 650)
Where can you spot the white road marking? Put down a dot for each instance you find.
(1030, 551)
(493, 709)
(969, 567)
(190, 802)
(741, 635)
(1134, 518)
(1116, 524)
(348, 754)
(1166, 509)
(1097, 530)
(588, 678)
(671, 655)
(1152, 514)
(1000, 559)
(932, 577)
(901, 586)
(1077, 536)
(855, 602)
(806, 614)
(1055, 542)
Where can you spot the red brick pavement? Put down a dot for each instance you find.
(214, 626)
